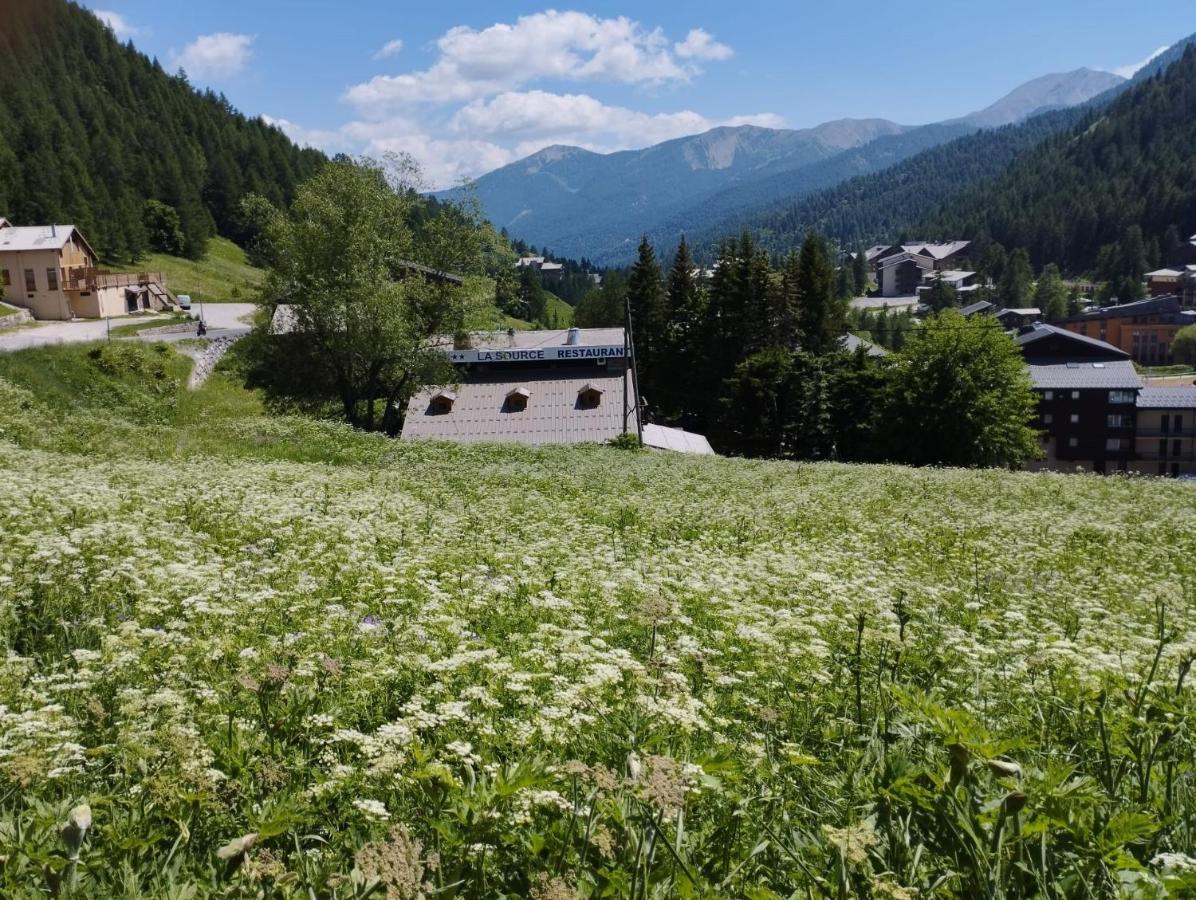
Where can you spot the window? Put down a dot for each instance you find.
(1075, 419)
(1122, 396)
(1047, 419)
(1175, 449)
(441, 404)
(30, 281)
(589, 397)
(1179, 424)
(1075, 395)
(1115, 444)
(1073, 442)
(516, 400)
(51, 279)
(5, 278)
(1116, 421)
(1166, 423)
(1048, 395)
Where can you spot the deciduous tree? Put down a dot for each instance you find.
(961, 396)
(362, 323)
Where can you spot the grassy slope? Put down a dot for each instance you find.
(223, 275)
(598, 601)
(560, 313)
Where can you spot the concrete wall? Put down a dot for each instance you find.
(103, 303)
(42, 302)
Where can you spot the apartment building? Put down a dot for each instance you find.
(1088, 393)
(1165, 437)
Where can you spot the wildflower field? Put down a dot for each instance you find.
(268, 657)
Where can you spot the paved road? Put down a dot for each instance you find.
(223, 320)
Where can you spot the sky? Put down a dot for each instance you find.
(467, 87)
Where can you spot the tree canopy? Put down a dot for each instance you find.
(90, 130)
(362, 322)
(960, 395)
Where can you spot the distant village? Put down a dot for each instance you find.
(567, 386)
(1096, 412)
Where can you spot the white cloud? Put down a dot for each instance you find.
(550, 45)
(119, 24)
(215, 56)
(444, 162)
(1132, 69)
(760, 120)
(475, 108)
(700, 44)
(570, 117)
(389, 49)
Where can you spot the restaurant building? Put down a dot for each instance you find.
(532, 387)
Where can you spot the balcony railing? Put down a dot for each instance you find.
(91, 279)
(1160, 433)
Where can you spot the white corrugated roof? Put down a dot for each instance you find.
(660, 437)
(35, 237)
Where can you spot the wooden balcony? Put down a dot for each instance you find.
(83, 279)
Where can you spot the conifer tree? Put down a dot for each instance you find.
(1017, 281)
(646, 299)
(820, 314)
(859, 264)
(942, 294)
(1050, 295)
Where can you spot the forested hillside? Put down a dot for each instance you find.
(1083, 196)
(91, 130)
(881, 206)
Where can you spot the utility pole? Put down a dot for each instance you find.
(108, 325)
(629, 355)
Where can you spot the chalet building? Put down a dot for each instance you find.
(548, 270)
(1088, 394)
(1014, 319)
(1164, 282)
(1143, 329)
(1166, 431)
(539, 388)
(901, 274)
(979, 308)
(902, 269)
(52, 271)
(963, 282)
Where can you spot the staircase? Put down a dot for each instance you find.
(160, 297)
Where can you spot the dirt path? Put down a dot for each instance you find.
(206, 358)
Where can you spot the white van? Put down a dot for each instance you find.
(184, 301)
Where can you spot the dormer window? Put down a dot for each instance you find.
(589, 397)
(442, 403)
(517, 400)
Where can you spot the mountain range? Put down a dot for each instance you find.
(584, 204)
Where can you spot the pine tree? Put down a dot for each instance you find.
(820, 315)
(859, 264)
(942, 294)
(1017, 281)
(1050, 295)
(646, 299)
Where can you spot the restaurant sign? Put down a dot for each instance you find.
(539, 354)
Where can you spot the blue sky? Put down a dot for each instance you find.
(468, 86)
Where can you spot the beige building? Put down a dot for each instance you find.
(1166, 433)
(52, 271)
